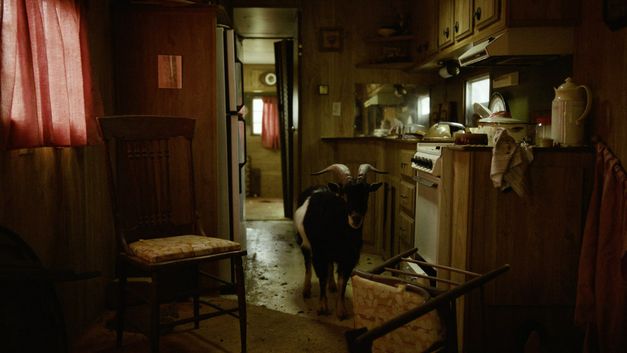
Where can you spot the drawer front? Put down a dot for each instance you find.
(405, 163)
(406, 228)
(407, 196)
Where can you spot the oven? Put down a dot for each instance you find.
(428, 164)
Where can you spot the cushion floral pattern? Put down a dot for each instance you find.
(375, 303)
(180, 247)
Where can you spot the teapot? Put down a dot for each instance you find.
(568, 111)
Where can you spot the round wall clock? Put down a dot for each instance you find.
(269, 78)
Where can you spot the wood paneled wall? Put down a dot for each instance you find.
(600, 61)
(141, 34)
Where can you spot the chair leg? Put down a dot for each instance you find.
(196, 298)
(121, 307)
(155, 315)
(241, 300)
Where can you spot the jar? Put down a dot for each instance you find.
(543, 131)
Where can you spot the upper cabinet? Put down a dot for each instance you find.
(459, 23)
(455, 21)
(486, 12)
(441, 29)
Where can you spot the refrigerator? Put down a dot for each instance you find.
(231, 127)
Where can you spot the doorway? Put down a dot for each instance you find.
(266, 197)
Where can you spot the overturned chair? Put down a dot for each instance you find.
(159, 236)
(400, 308)
(31, 315)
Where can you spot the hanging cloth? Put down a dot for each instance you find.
(601, 306)
(270, 123)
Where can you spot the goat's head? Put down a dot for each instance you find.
(355, 191)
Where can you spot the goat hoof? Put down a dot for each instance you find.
(324, 312)
(332, 288)
(306, 294)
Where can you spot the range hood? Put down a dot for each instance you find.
(520, 46)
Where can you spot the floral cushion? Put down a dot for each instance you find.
(180, 247)
(375, 302)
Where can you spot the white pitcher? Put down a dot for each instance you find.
(568, 111)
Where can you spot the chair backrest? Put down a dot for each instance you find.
(151, 171)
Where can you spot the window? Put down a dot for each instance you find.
(47, 98)
(257, 115)
(423, 109)
(477, 91)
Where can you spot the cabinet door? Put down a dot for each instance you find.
(486, 12)
(462, 24)
(445, 16)
(405, 231)
(407, 196)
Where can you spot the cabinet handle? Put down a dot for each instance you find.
(446, 32)
(427, 183)
(478, 13)
(456, 26)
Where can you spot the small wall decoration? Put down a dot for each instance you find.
(615, 14)
(330, 39)
(170, 71)
(323, 90)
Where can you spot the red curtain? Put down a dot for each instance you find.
(47, 97)
(270, 123)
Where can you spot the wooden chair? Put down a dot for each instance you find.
(405, 310)
(152, 178)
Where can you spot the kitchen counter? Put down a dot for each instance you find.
(388, 139)
(533, 148)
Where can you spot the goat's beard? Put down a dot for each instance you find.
(355, 224)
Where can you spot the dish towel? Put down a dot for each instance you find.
(510, 161)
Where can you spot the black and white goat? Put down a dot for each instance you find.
(329, 222)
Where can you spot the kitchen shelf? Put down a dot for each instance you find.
(390, 53)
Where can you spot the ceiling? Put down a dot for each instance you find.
(260, 28)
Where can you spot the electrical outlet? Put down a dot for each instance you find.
(337, 108)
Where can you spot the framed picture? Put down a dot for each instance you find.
(170, 71)
(615, 13)
(331, 39)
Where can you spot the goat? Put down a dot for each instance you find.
(329, 223)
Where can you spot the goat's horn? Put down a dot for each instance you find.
(340, 170)
(365, 168)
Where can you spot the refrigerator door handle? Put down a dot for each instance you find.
(242, 121)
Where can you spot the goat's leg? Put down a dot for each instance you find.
(343, 274)
(332, 285)
(321, 267)
(340, 305)
(307, 283)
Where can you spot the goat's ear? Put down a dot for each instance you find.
(336, 188)
(375, 186)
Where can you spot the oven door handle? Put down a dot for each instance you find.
(425, 182)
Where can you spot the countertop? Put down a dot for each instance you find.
(388, 139)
